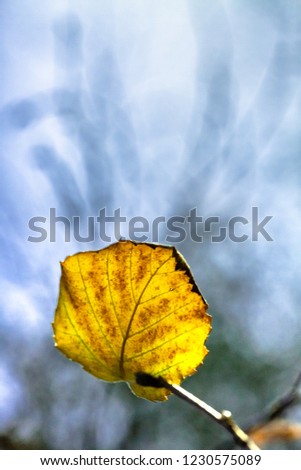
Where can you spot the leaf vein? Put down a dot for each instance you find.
(143, 353)
(171, 367)
(93, 311)
(148, 327)
(112, 299)
(91, 352)
(122, 352)
(163, 293)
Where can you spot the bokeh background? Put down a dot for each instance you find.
(154, 107)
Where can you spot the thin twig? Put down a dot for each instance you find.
(290, 398)
(224, 418)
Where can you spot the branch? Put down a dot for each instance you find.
(290, 398)
(223, 419)
(268, 424)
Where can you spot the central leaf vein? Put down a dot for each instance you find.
(137, 303)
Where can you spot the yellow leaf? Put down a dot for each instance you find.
(130, 308)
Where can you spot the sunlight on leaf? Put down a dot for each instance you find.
(132, 308)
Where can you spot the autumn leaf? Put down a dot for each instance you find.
(132, 308)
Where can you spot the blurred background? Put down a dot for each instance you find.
(154, 108)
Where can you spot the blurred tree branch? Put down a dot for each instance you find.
(270, 425)
(279, 407)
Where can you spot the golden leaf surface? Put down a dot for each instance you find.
(132, 308)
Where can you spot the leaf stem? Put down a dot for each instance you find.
(224, 418)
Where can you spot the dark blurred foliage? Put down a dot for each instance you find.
(226, 166)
